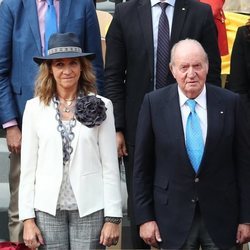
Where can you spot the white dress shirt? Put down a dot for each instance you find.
(200, 108)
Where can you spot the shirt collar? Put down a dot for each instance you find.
(201, 99)
(155, 2)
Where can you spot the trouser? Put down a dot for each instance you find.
(67, 230)
(199, 237)
(15, 226)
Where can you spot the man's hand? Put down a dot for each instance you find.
(243, 233)
(13, 137)
(150, 233)
(121, 146)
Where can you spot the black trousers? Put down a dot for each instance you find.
(137, 242)
(199, 237)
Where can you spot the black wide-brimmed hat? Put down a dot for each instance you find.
(63, 45)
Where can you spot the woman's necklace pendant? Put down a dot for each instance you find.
(66, 110)
(69, 102)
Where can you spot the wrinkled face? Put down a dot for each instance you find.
(190, 69)
(66, 72)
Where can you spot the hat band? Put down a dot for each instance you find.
(64, 49)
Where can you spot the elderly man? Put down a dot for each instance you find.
(192, 164)
(139, 41)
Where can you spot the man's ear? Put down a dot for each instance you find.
(172, 69)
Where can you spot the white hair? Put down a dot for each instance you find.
(184, 42)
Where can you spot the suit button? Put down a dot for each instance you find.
(196, 180)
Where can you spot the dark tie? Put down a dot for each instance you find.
(162, 48)
(50, 23)
(194, 140)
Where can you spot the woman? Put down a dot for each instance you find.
(69, 194)
(239, 80)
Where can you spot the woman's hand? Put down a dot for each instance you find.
(31, 234)
(110, 234)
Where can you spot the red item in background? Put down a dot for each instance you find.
(219, 19)
(7, 245)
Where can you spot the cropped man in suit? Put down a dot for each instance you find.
(131, 59)
(239, 80)
(186, 197)
(22, 37)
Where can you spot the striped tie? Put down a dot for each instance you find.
(162, 48)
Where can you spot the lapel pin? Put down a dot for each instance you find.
(183, 8)
(221, 112)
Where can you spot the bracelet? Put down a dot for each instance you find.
(115, 220)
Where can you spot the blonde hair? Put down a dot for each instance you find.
(45, 84)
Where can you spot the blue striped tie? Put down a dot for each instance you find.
(194, 140)
(50, 23)
(162, 48)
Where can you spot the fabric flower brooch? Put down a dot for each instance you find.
(90, 110)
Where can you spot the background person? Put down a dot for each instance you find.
(22, 36)
(191, 189)
(219, 19)
(69, 195)
(239, 80)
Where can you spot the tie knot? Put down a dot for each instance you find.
(50, 2)
(191, 104)
(163, 5)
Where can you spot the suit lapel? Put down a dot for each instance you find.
(174, 119)
(180, 11)
(30, 10)
(215, 124)
(64, 12)
(145, 19)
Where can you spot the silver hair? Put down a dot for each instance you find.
(183, 42)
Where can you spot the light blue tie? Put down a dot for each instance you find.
(50, 23)
(194, 140)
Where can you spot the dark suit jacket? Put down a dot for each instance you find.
(129, 72)
(166, 188)
(239, 80)
(20, 41)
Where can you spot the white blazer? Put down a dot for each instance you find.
(93, 170)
